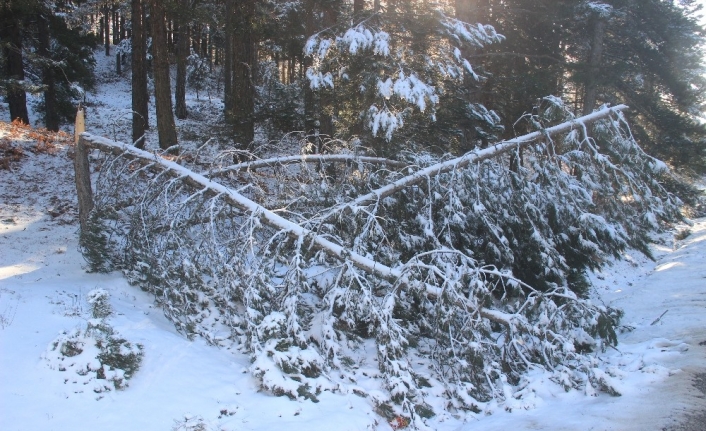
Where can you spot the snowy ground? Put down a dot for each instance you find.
(659, 365)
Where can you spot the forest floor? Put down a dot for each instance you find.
(659, 365)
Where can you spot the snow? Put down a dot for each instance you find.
(45, 292)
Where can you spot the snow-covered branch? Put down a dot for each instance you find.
(478, 156)
(307, 158)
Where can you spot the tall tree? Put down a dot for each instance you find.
(140, 96)
(244, 68)
(12, 15)
(51, 113)
(166, 129)
(649, 55)
(182, 53)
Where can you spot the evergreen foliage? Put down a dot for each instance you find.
(65, 66)
(391, 72)
(487, 265)
(96, 353)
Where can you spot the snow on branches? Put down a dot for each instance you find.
(459, 275)
(393, 75)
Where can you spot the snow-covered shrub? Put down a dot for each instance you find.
(97, 355)
(99, 300)
(458, 281)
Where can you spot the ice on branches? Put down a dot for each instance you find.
(462, 274)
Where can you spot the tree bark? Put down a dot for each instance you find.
(51, 112)
(106, 28)
(594, 64)
(358, 6)
(228, 60)
(140, 97)
(182, 52)
(14, 71)
(166, 129)
(244, 65)
(82, 170)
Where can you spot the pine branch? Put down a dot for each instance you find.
(312, 158)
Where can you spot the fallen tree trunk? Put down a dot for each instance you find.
(394, 275)
(477, 156)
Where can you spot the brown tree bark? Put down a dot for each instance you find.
(244, 65)
(358, 6)
(166, 129)
(14, 71)
(140, 96)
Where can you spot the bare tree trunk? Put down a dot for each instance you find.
(51, 113)
(14, 70)
(358, 6)
(140, 97)
(182, 52)
(594, 64)
(116, 25)
(166, 129)
(228, 61)
(244, 66)
(106, 29)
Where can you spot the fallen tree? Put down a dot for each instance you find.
(464, 274)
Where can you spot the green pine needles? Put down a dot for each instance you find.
(465, 279)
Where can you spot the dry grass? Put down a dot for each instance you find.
(16, 138)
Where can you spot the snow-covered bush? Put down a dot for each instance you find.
(98, 357)
(99, 300)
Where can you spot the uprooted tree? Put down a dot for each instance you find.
(460, 273)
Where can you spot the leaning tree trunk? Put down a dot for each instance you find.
(51, 112)
(166, 129)
(140, 97)
(182, 52)
(14, 71)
